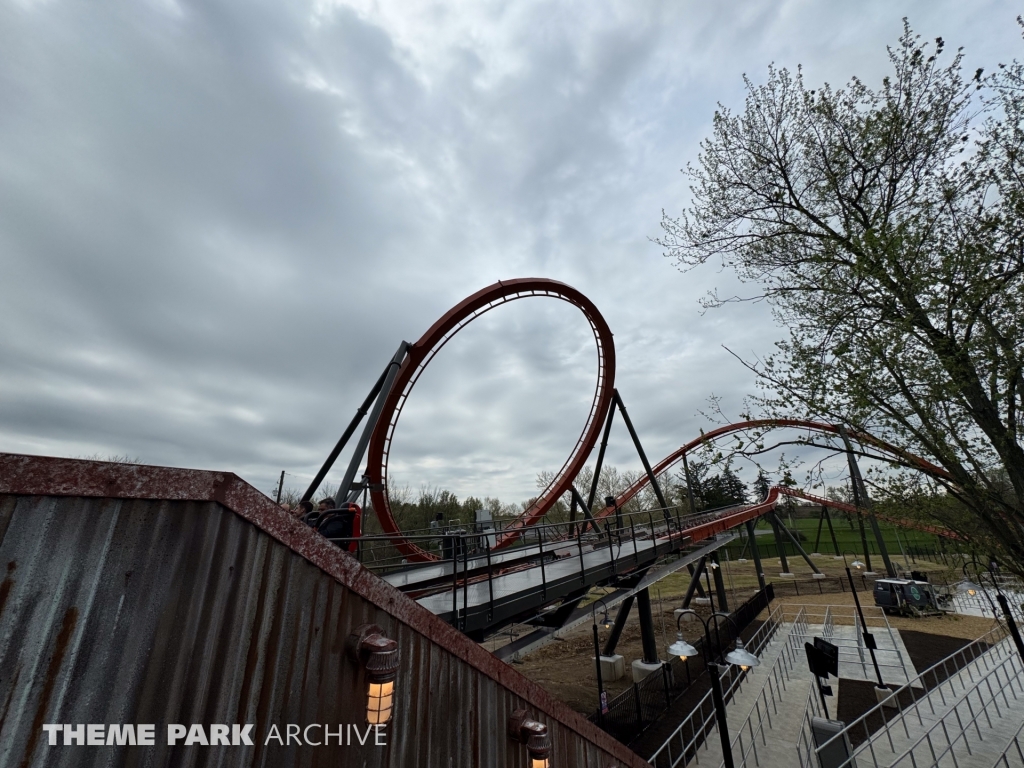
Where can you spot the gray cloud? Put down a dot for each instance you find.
(217, 222)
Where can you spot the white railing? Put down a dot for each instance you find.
(957, 723)
(691, 733)
(744, 744)
(932, 690)
(1013, 755)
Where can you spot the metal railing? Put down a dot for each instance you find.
(954, 727)
(744, 744)
(685, 741)
(1013, 754)
(853, 650)
(931, 690)
(469, 558)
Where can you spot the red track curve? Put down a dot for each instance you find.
(423, 351)
(862, 437)
(938, 531)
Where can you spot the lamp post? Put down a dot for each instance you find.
(739, 656)
(597, 656)
(869, 639)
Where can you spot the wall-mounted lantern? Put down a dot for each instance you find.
(534, 735)
(379, 656)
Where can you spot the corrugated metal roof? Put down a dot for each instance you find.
(151, 595)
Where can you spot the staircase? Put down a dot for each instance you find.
(970, 718)
(766, 700)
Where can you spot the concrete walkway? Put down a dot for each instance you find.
(765, 716)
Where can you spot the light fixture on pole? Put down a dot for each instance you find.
(378, 655)
(597, 656)
(525, 730)
(869, 639)
(739, 657)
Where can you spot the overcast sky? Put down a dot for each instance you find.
(218, 220)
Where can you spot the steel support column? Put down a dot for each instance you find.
(640, 450)
(345, 490)
(695, 574)
(723, 601)
(588, 517)
(831, 530)
(647, 637)
(862, 500)
(755, 553)
(796, 544)
(700, 587)
(600, 455)
(351, 428)
(620, 622)
(780, 545)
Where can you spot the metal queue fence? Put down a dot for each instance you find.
(633, 711)
(899, 727)
(840, 625)
(759, 718)
(1013, 754)
(692, 732)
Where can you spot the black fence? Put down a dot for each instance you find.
(634, 710)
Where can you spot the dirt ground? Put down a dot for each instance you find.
(565, 667)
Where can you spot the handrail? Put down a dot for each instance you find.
(777, 676)
(699, 731)
(993, 639)
(1014, 745)
(963, 728)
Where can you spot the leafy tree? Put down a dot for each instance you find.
(761, 485)
(885, 228)
(724, 489)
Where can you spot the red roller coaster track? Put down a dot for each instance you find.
(440, 333)
(424, 350)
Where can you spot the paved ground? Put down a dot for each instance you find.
(766, 718)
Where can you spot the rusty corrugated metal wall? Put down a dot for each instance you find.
(146, 610)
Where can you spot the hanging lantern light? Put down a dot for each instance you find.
(534, 735)
(681, 648)
(741, 657)
(379, 656)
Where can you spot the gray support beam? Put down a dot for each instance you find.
(349, 431)
(345, 490)
(796, 544)
(757, 555)
(780, 545)
(862, 500)
(620, 622)
(643, 456)
(589, 518)
(600, 456)
(831, 530)
(647, 637)
(694, 585)
(700, 587)
(723, 601)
